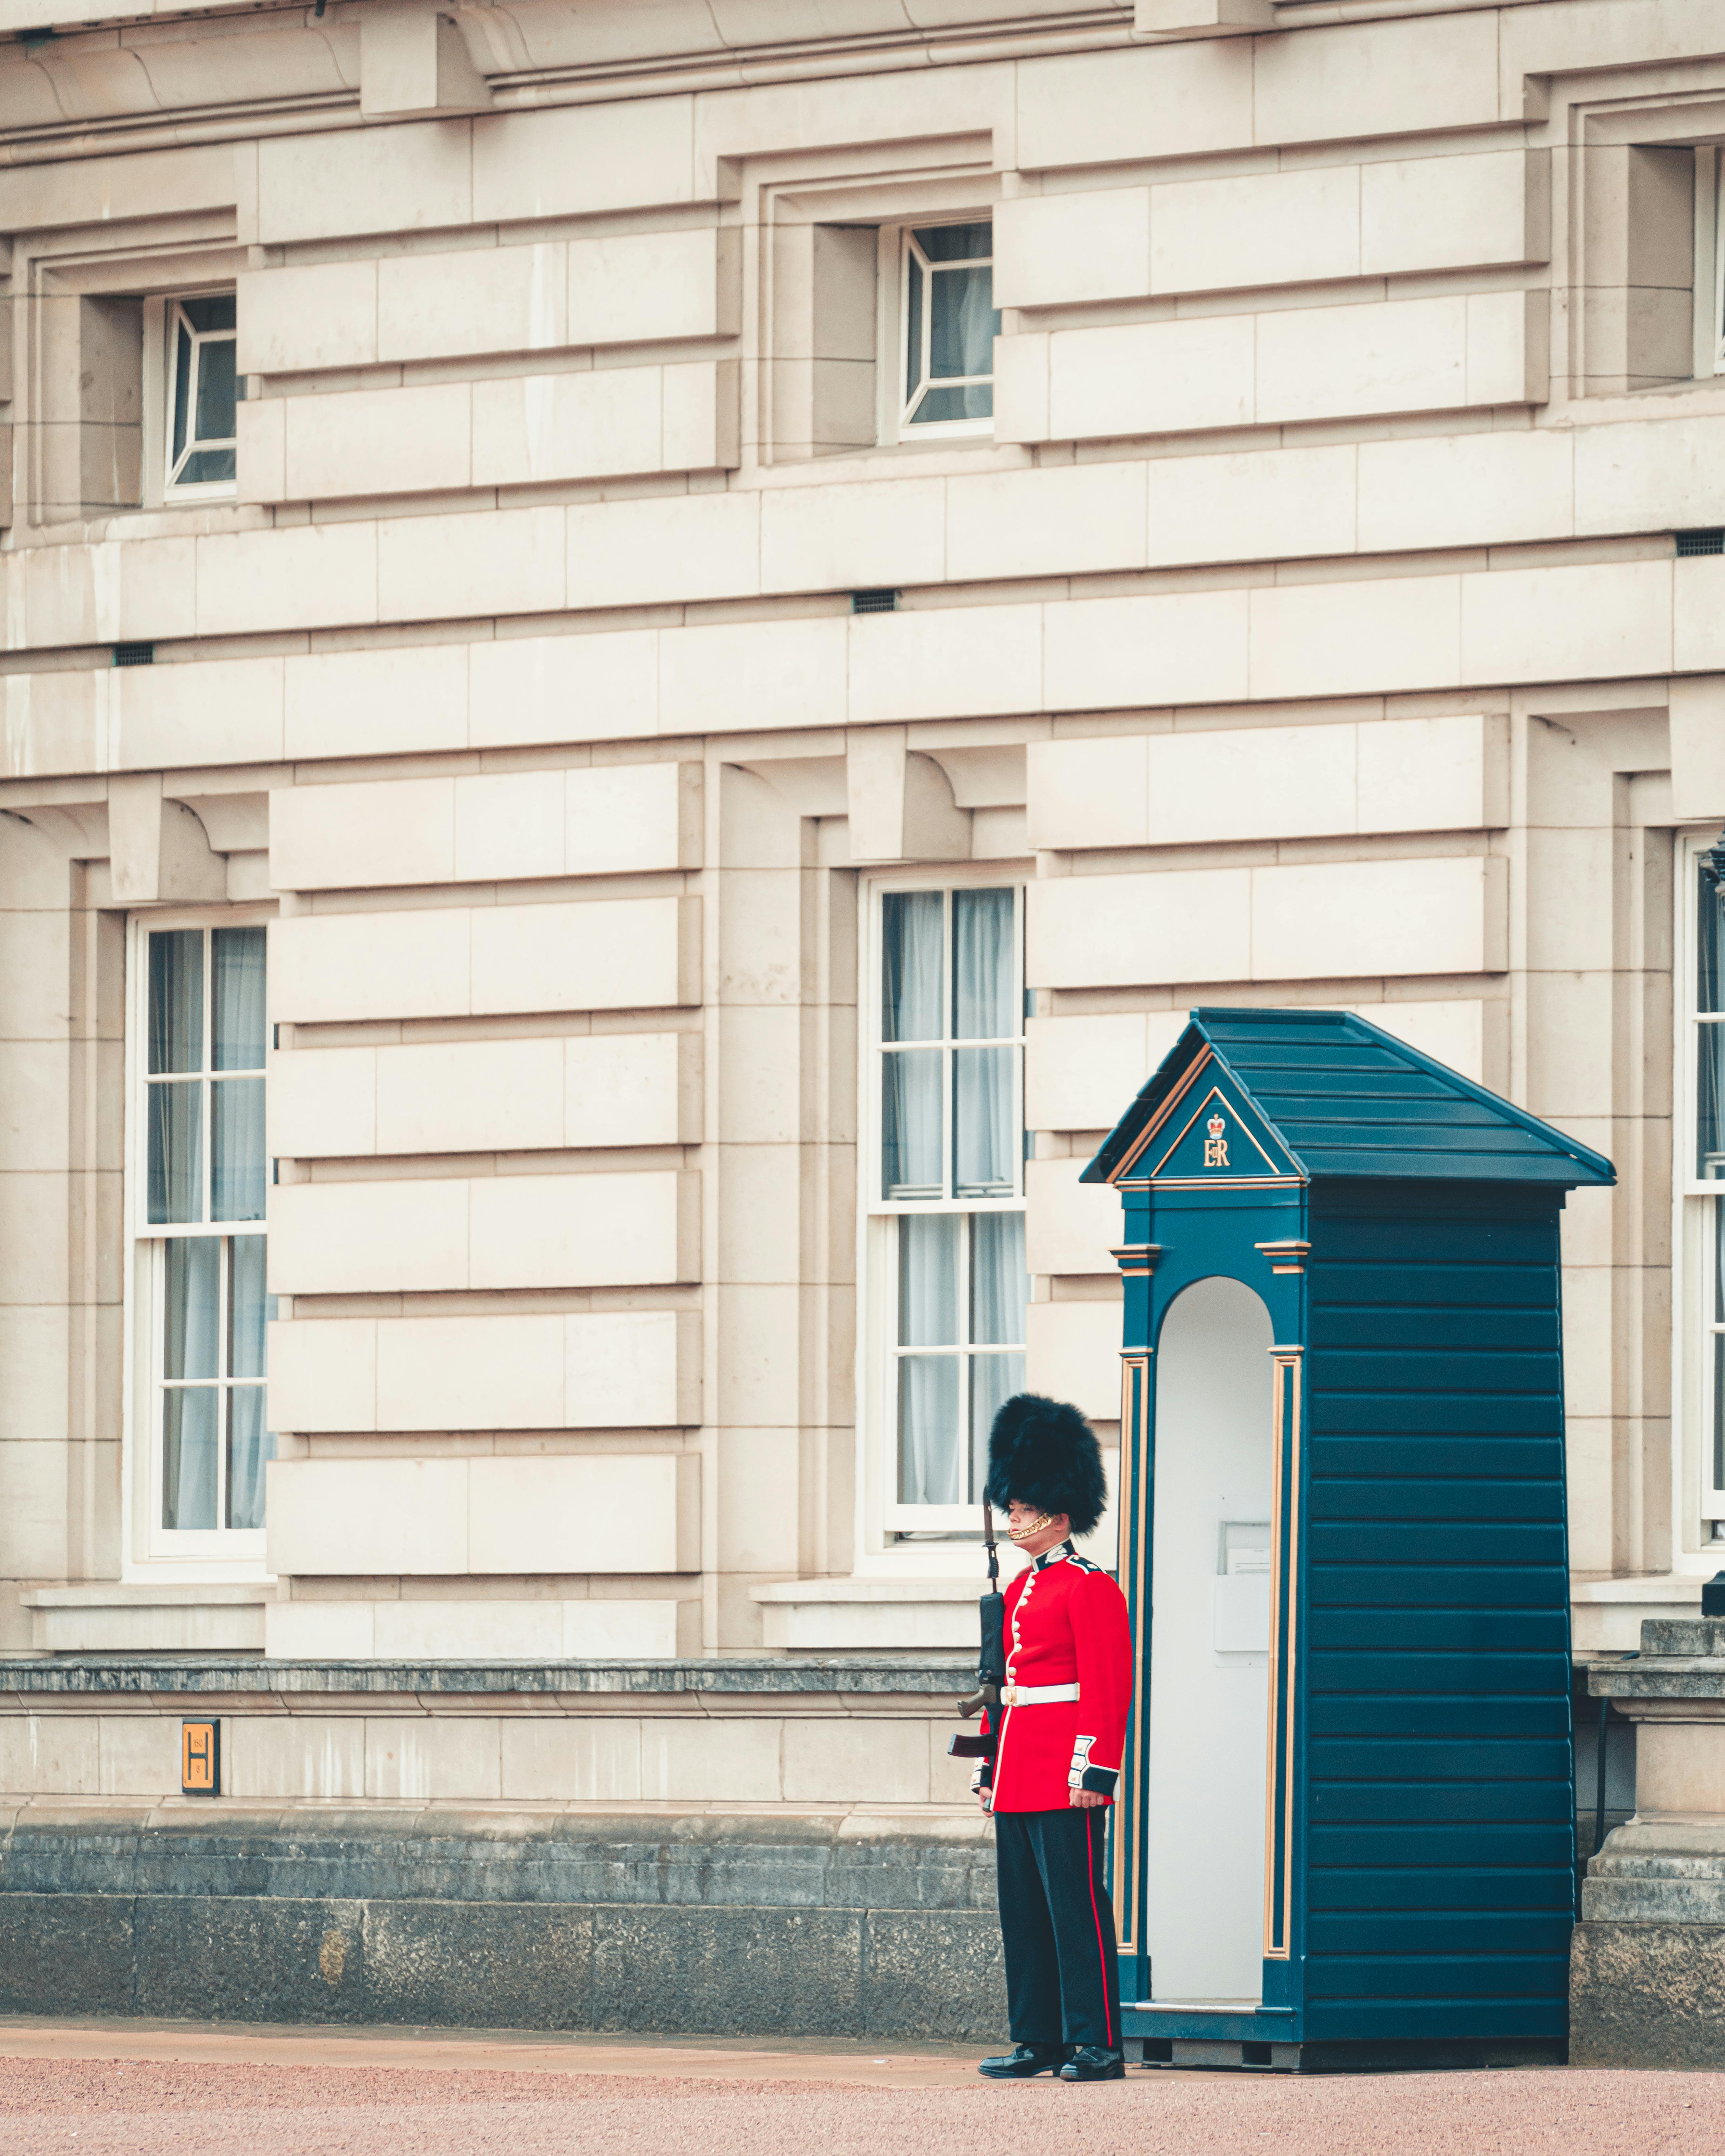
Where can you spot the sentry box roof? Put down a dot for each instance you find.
(1323, 1093)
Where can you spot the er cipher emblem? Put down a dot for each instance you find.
(1216, 1146)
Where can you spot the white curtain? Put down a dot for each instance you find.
(930, 1462)
(190, 1348)
(238, 986)
(1000, 1287)
(910, 1083)
(999, 1290)
(177, 999)
(911, 922)
(175, 1139)
(982, 966)
(985, 1126)
(930, 1459)
(237, 1176)
(250, 1446)
(175, 1174)
(189, 1457)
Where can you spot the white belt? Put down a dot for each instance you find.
(1018, 1695)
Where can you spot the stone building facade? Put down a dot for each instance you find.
(649, 650)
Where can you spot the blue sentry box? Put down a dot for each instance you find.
(1363, 1834)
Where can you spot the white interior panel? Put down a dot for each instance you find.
(1210, 1638)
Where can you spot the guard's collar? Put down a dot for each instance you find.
(1055, 1556)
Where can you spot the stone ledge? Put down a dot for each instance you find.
(1678, 1661)
(206, 1676)
(1658, 1871)
(843, 1859)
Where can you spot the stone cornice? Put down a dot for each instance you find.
(205, 1677)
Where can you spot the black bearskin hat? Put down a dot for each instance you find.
(1045, 1454)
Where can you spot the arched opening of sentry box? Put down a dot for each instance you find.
(1210, 1652)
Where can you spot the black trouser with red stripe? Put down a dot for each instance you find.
(1062, 1969)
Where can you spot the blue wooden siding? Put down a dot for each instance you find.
(1438, 1756)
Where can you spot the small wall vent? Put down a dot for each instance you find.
(1712, 541)
(134, 654)
(873, 602)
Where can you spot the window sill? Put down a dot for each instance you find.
(1697, 399)
(917, 459)
(880, 1614)
(131, 1618)
(153, 521)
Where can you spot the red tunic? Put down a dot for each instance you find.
(1066, 1625)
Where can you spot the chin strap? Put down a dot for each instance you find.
(1030, 1528)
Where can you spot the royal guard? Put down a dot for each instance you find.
(1056, 1739)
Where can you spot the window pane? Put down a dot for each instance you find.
(250, 1307)
(204, 467)
(216, 312)
(962, 323)
(911, 1124)
(915, 277)
(188, 1457)
(1000, 1285)
(215, 386)
(175, 1175)
(236, 1180)
(985, 1131)
(190, 1330)
(1719, 1410)
(993, 1380)
(1710, 1103)
(183, 349)
(930, 1456)
(177, 999)
(237, 970)
(928, 1281)
(249, 1446)
(982, 966)
(910, 922)
(940, 407)
(1709, 942)
(956, 243)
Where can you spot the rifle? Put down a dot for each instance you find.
(991, 1661)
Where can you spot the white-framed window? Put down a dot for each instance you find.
(198, 1174)
(1709, 316)
(942, 1194)
(200, 392)
(1700, 1180)
(940, 374)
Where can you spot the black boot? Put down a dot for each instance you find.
(1091, 2062)
(1022, 2061)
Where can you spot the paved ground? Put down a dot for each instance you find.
(132, 2089)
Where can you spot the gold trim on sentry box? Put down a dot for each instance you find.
(1134, 1417)
(1284, 1577)
(1215, 1093)
(1199, 1063)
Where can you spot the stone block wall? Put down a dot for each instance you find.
(740, 1925)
